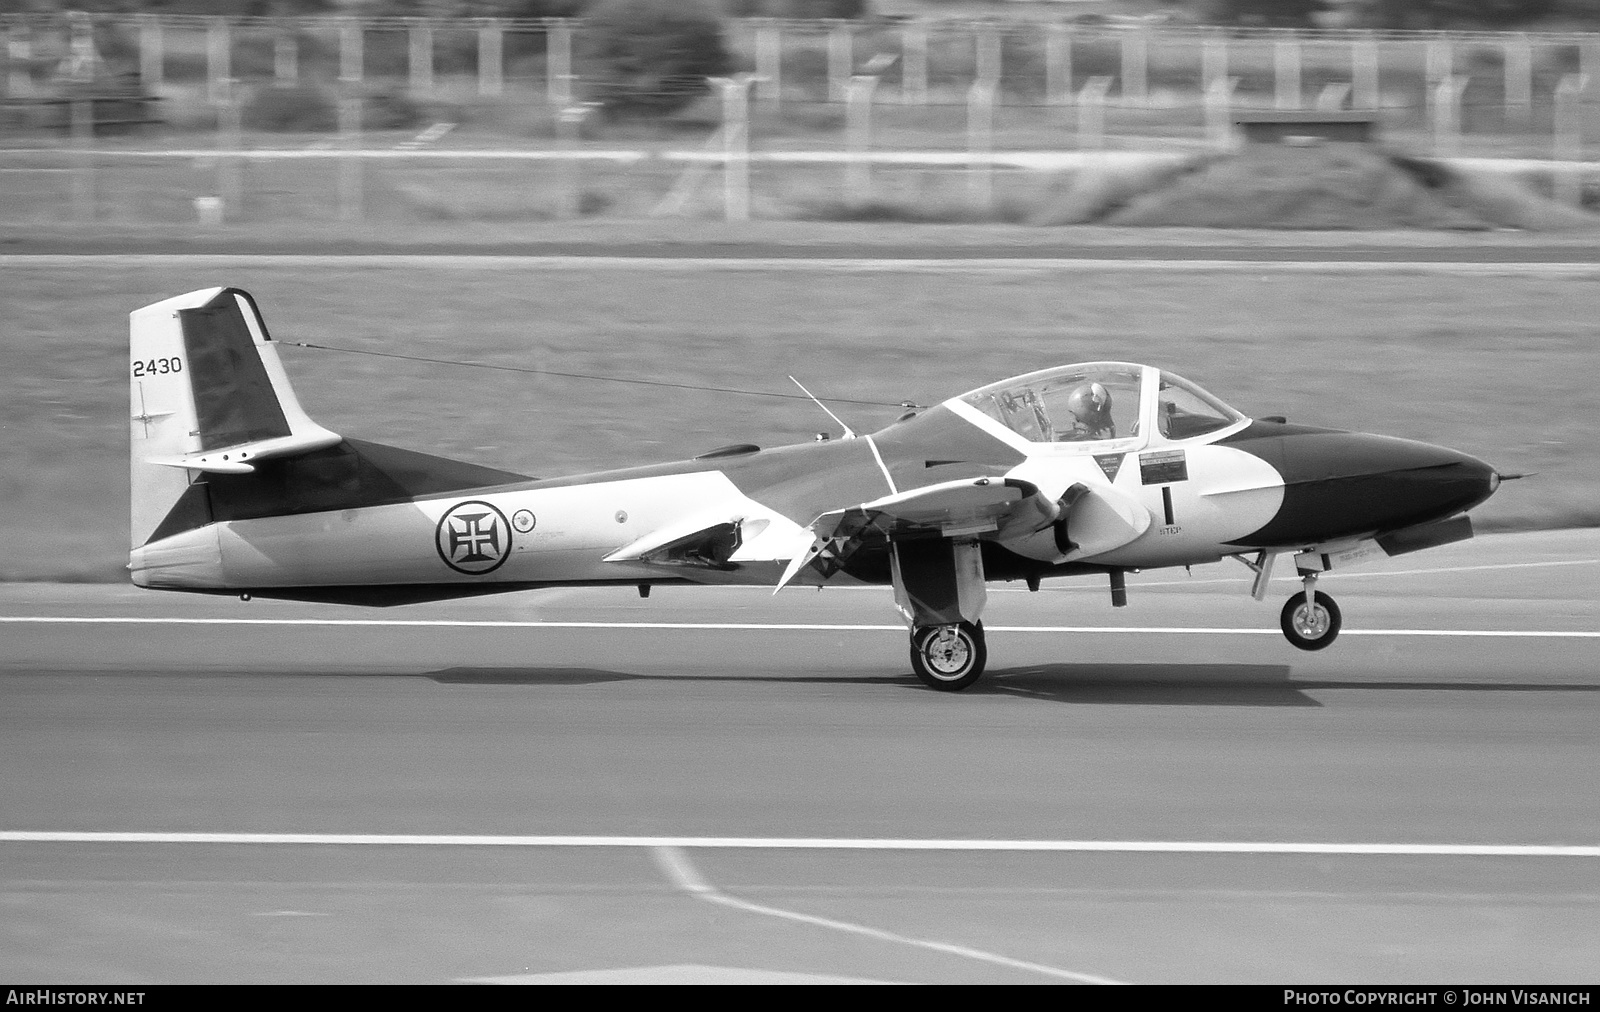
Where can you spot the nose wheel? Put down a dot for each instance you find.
(948, 657)
(1310, 626)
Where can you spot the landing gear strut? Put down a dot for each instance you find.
(1310, 620)
(948, 657)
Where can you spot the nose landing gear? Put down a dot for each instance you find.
(1310, 620)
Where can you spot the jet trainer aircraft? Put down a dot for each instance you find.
(1094, 468)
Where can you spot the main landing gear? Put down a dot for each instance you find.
(938, 589)
(948, 657)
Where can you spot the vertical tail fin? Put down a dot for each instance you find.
(207, 393)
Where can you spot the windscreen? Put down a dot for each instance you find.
(1184, 410)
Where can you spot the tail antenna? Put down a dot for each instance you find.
(849, 433)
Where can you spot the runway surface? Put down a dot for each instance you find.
(701, 743)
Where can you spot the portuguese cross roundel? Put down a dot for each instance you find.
(473, 537)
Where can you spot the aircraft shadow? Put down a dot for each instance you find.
(529, 676)
(1150, 684)
(1210, 684)
(1087, 684)
(592, 676)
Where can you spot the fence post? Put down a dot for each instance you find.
(350, 170)
(1219, 111)
(350, 55)
(858, 130)
(1135, 67)
(1092, 113)
(1057, 65)
(840, 59)
(735, 146)
(152, 59)
(421, 58)
(1213, 59)
(986, 58)
(569, 124)
(19, 50)
(491, 58)
(83, 195)
(1333, 95)
(980, 146)
(285, 58)
(81, 53)
(1364, 73)
(914, 63)
(1439, 60)
(1286, 73)
(1568, 139)
(1519, 79)
(1589, 62)
(231, 138)
(769, 64)
(1447, 115)
(219, 59)
(558, 62)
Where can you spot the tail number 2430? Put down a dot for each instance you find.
(157, 367)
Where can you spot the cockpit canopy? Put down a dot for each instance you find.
(1102, 401)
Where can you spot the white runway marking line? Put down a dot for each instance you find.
(675, 864)
(812, 843)
(863, 265)
(420, 623)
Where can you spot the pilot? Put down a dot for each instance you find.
(1090, 405)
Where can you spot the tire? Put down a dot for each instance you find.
(948, 657)
(1303, 630)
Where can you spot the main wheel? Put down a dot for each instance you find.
(948, 657)
(1310, 628)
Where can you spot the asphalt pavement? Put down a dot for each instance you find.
(721, 785)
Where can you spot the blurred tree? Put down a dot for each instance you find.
(1284, 13)
(1584, 10)
(475, 8)
(291, 8)
(237, 8)
(644, 57)
(1457, 13)
(799, 9)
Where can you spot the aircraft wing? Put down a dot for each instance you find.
(969, 506)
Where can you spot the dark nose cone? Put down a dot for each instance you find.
(1340, 484)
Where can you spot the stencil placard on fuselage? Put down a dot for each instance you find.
(1163, 467)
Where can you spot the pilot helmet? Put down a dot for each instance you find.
(1090, 404)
